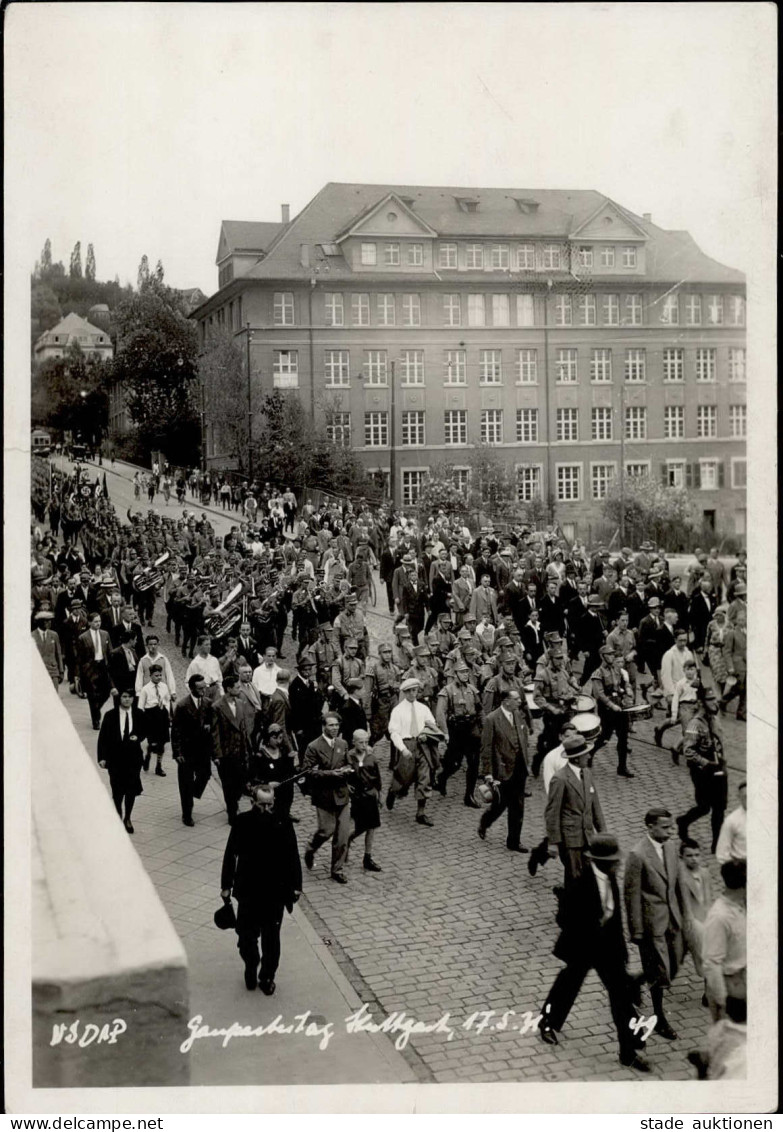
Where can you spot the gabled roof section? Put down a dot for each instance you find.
(246, 236)
(370, 222)
(603, 224)
(71, 326)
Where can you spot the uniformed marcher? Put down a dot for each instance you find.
(555, 692)
(347, 667)
(423, 671)
(458, 714)
(703, 746)
(382, 692)
(612, 693)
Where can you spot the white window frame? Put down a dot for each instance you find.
(595, 465)
(564, 467)
(527, 426)
(528, 487)
(736, 310)
(415, 255)
(526, 257)
(645, 465)
(737, 365)
(635, 369)
(338, 433)
(285, 369)
(477, 314)
(375, 366)
(360, 308)
(715, 306)
(586, 310)
(550, 257)
(707, 422)
(455, 427)
(334, 310)
(474, 257)
(283, 308)
(670, 310)
(610, 310)
(491, 427)
(737, 461)
(673, 360)
(455, 367)
(337, 369)
(411, 309)
(600, 365)
(460, 477)
(501, 313)
(411, 367)
(386, 306)
(499, 257)
(447, 256)
(692, 309)
(634, 310)
(635, 422)
(738, 421)
(490, 367)
(368, 254)
(413, 425)
(452, 310)
(410, 498)
(674, 422)
(708, 462)
(567, 425)
(391, 255)
(526, 310)
(563, 310)
(584, 256)
(706, 365)
(602, 423)
(566, 365)
(527, 366)
(376, 424)
(607, 256)
(675, 473)
(630, 258)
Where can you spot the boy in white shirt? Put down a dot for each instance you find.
(155, 702)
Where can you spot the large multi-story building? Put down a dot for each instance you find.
(556, 326)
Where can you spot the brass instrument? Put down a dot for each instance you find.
(220, 621)
(151, 575)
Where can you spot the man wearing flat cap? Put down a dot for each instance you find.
(414, 737)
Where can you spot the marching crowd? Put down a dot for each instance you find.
(512, 652)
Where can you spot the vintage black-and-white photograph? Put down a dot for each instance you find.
(385, 380)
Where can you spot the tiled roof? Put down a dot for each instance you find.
(250, 235)
(72, 324)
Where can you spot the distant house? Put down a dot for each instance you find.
(193, 297)
(93, 340)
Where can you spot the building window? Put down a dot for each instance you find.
(715, 310)
(391, 255)
(369, 255)
(283, 309)
(411, 310)
(708, 475)
(376, 430)
(338, 429)
(706, 421)
(447, 255)
(567, 424)
(455, 426)
(526, 257)
(705, 365)
(285, 369)
(585, 257)
(334, 310)
(475, 310)
(386, 315)
(528, 482)
(412, 367)
(565, 366)
(375, 367)
(491, 426)
(527, 426)
(460, 477)
(452, 310)
(736, 363)
(635, 365)
(607, 257)
(474, 257)
(675, 473)
(611, 310)
(629, 257)
(455, 365)
(674, 422)
(602, 424)
(525, 310)
(360, 310)
(693, 310)
(569, 483)
(500, 311)
(601, 366)
(490, 367)
(586, 310)
(738, 421)
(633, 310)
(563, 310)
(736, 310)
(673, 364)
(527, 367)
(413, 428)
(635, 422)
(739, 472)
(412, 483)
(415, 255)
(670, 311)
(380, 477)
(498, 257)
(550, 257)
(337, 369)
(638, 471)
(601, 476)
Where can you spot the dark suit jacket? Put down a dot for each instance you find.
(678, 601)
(551, 615)
(230, 736)
(123, 757)
(700, 613)
(582, 936)
(525, 608)
(512, 598)
(261, 860)
(249, 653)
(352, 718)
(573, 810)
(327, 790)
(191, 732)
(534, 649)
(122, 677)
(637, 609)
(499, 754)
(413, 603)
(306, 705)
(115, 636)
(93, 674)
(590, 633)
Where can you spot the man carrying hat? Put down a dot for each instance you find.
(573, 810)
(414, 736)
(48, 644)
(504, 763)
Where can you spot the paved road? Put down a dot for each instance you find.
(456, 925)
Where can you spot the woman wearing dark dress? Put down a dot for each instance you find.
(272, 763)
(365, 785)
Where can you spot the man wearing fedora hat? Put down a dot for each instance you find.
(591, 938)
(414, 736)
(48, 644)
(573, 809)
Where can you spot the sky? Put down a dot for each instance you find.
(140, 127)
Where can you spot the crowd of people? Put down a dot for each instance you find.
(513, 652)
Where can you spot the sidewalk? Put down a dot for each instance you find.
(184, 865)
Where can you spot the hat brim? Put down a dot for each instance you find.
(602, 857)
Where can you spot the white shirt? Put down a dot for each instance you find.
(658, 847)
(554, 760)
(604, 891)
(125, 713)
(96, 640)
(208, 667)
(508, 716)
(673, 667)
(265, 679)
(732, 843)
(577, 770)
(154, 695)
(408, 720)
(143, 672)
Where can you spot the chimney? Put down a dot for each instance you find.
(304, 255)
(647, 216)
(286, 211)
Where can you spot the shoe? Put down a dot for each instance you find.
(146, 762)
(675, 757)
(231, 819)
(390, 801)
(548, 1035)
(637, 1062)
(267, 986)
(251, 978)
(128, 825)
(705, 1001)
(160, 772)
(517, 848)
(188, 821)
(664, 1030)
(532, 865)
(626, 773)
(293, 819)
(482, 832)
(309, 858)
(339, 878)
(658, 733)
(371, 866)
(440, 785)
(471, 803)
(422, 819)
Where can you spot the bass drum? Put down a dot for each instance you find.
(588, 725)
(530, 700)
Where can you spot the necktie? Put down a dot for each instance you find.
(126, 731)
(157, 694)
(414, 727)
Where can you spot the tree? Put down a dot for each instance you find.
(492, 488)
(652, 510)
(75, 270)
(224, 384)
(143, 273)
(159, 271)
(89, 266)
(45, 309)
(440, 493)
(69, 394)
(46, 257)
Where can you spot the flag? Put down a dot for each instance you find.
(105, 487)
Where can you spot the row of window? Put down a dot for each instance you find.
(375, 366)
(495, 309)
(455, 425)
(500, 257)
(706, 474)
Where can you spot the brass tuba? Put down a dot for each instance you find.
(220, 621)
(151, 575)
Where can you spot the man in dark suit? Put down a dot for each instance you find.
(674, 598)
(504, 761)
(326, 761)
(123, 663)
(246, 648)
(590, 636)
(552, 618)
(353, 717)
(261, 866)
(111, 616)
(512, 598)
(413, 602)
(231, 744)
(306, 700)
(701, 611)
(532, 640)
(92, 652)
(128, 624)
(573, 810)
(192, 744)
(592, 939)
(654, 909)
(120, 752)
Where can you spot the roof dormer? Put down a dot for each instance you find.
(526, 204)
(467, 204)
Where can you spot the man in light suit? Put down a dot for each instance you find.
(48, 644)
(92, 653)
(484, 601)
(504, 761)
(573, 810)
(654, 907)
(326, 763)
